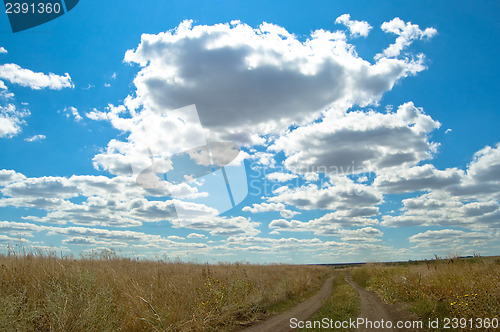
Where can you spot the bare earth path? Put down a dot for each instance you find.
(304, 310)
(373, 309)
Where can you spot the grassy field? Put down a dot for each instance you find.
(462, 288)
(40, 292)
(46, 293)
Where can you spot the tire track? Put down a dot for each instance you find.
(302, 311)
(373, 309)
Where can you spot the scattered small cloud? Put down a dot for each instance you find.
(2, 50)
(72, 111)
(356, 28)
(11, 120)
(175, 237)
(407, 33)
(448, 238)
(271, 207)
(35, 138)
(281, 177)
(36, 81)
(362, 179)
(4, 92)
(196, 236)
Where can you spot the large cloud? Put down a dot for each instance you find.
(359, 142)
(245, 80)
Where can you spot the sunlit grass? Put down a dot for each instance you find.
(41, 292)
(455, 287)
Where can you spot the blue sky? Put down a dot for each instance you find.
(367, 132)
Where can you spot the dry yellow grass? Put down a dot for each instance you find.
(45, 293)
(461, 288)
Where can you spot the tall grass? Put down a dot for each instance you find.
(40, 292)
(456, 287)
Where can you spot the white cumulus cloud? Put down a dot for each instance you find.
(35, 138)
(281, 177)
(406, 32)
(359, 142)
(11, 120)
(25, 77)
(72, 111)
(247, 80)
(356, 28)
(271, 207)
(196, 236)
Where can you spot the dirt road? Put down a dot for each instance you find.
(281, 323)
(374, 310)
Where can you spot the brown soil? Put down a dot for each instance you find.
(373, 309)
(303, 311)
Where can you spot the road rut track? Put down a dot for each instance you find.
(372, 309)
(302, 311)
